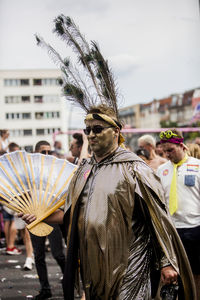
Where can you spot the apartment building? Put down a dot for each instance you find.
(176, 108)
(181, 110)
(130, 116)
(31, 106)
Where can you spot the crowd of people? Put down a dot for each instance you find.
(131, 220)
(13, 229)
(163, 156)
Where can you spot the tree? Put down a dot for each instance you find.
(168, 124)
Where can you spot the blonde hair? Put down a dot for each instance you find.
(193, 150)
(148, 139)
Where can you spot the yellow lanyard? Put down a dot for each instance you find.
(173, 200)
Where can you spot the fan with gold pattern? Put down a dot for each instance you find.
(34, 184)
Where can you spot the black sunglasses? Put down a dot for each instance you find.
(95, 129)
(46, 152)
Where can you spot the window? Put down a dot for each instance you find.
(26, 115)
(9, 99)
(47, 115)
(16, 82)
(27, 132)
(24, 82)
(16, 132)
(45, 81)
(46, 131)
(38, 99)
(14, 116)
(46, 98)
(50, 81)
(50, 130)
(188, 100)
(37, 81)
(39, 131)
(39, 115)
(180, 101)
(20, 132)
(25, 99)
(17, 99)
(174, 100)
(11, 82)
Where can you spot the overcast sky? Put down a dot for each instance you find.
(153, 45)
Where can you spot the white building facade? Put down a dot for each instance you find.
(32, 108)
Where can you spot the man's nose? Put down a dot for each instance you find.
(91, 134)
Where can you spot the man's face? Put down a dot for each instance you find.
(45, 149)
(105, 142)
(142, 144)
(75, 149)
(174, 152)
(58, 145)
(15, 149)
(160, 151)
(6, 135)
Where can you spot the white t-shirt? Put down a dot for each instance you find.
(4, 144)
(188, 191)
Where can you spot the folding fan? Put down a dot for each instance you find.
(34, 184)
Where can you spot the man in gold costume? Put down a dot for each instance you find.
(118, 225)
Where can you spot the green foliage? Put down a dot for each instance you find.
(190, 136)
(168, 124)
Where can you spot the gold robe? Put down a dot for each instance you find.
(100, 208)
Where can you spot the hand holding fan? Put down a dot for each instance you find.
(34, 184)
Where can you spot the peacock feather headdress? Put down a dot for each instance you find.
(91, 85)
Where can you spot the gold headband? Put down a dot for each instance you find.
(108, 120)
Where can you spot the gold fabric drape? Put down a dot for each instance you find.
(108, 205)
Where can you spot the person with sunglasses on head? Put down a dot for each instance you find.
(180, 178)
(55, 241)
(118, 225)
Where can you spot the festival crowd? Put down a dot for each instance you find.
(160, 156)
(131, 218)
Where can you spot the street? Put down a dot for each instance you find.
(18, 284)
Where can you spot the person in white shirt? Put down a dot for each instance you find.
(180, 178)
(4, 142)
